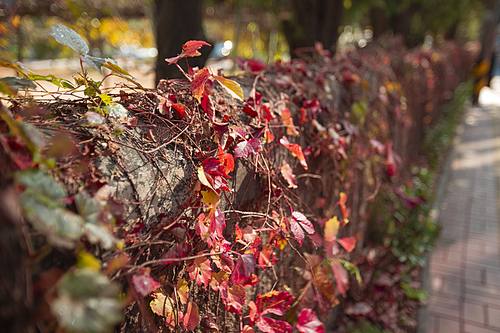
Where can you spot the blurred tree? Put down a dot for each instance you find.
(176, 22)
(413, 19)
(313, 20)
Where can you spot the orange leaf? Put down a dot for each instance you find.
(226, 160)
(296, 151)
(191, 318)
(190, 48)
(348, 243)
(199, 80)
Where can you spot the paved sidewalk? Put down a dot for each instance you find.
(465, 268)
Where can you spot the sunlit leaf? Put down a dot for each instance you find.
(116, 111)
(287, 173)
(211, 198)
(232, 87)
(191, 318)
(198, 83)
(247, 147)
(199, 270)
(270, 325)
(235, 299)
(308, 322)
(69, 37)
(299, 223)
(189, 49)
(275, 302)
(116, 70)
(296, 151)
(161, 304)
(182, 290)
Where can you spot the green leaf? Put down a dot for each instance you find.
(31, 136)
(10, 85)
(87, 302)
(120, 72)
(40, 183)
(69, 37)
(95, 62)
(100, 234)
(88, 207)
(60, 226)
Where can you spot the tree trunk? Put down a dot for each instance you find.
(316, 20)
(379, 21)
(176, 22)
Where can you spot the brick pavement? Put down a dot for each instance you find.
(465, 268)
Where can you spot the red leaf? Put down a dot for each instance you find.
(199, 270)
(266, 257)
(296, 151)
(144, 283)
(246, 147)
(180, 108)
(224, 262)
(391, 161)
(177, 251)
(220, 281)
(255, 66)
(252, 311)
(244, 267)
(199, 80)
(235, 299)
(208, 107)
(217, 225)
(299, 223)
(341, 277)
(348, 243)
(308, 322)
(303, 116)
(250, 281)
(226, 160)
(191, 318)
(269, 325)
(287, 172)
(286, 116)
(275, 302)
(189, 49)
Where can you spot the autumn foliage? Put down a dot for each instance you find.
(319, 138)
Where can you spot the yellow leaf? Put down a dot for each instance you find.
(332, 229)
(210, 198)
(232, 87)
(88, 261)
